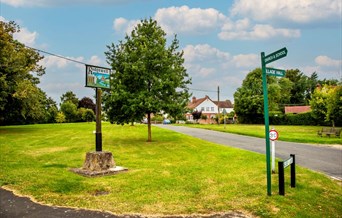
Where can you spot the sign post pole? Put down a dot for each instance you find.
(98, 134)
(274, 72)
(264, 87)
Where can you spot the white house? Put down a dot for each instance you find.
(209, 107)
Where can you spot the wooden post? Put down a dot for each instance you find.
(98, 134)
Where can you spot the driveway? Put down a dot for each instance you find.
(321, 158)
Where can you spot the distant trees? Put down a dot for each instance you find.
(88, 103)
(76, 110)
(326, 104)
(294, 89)
(149, 76)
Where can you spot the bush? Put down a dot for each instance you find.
(60, 117)
(88, 115)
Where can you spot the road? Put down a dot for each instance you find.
(321, 158)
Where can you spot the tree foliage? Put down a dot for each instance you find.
(88, 103)
(249, 98)
(21, 101)
(294, 89)
(196, 115)
(326, 104)
(69, 109)
(149, 76)
(69, 96)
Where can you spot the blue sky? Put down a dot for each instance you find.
(222, 40)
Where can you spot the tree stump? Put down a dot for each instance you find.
(98, 161)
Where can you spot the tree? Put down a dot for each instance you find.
(51, 110)
(149, 75)
(326, 104)
(88, 115)
(69, 96)
(299, 88)
(21, 101)
(334, 106)
(86, 102)
(249, 98)
(60, 117)
(69, 109)
(196, 115)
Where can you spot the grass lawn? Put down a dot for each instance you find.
(175, 174)
(303, 134)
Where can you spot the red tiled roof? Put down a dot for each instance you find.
(224, 104)
(297, 109)
(195, 102)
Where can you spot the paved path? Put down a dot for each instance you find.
(12, 206)
(325, 159)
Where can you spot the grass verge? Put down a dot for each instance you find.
(175, 174)
(302, 134)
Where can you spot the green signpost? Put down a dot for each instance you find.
(273, 72)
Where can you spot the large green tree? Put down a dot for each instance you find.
(21, 101)
(326, 104)
(249, 98)
(149, 75)
(69, 96)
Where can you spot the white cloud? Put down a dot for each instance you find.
(26, 37)
(95, 60)
(327, 61)
(51, 61)
(203, 52)
(240, 30)
(197, 21)
(123, 25)
(298, 11)
(246, 60)
(189, 20)
(49, 3)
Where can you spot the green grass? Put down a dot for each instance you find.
(302, 134)
(175, 174)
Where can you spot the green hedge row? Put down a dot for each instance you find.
(306, 119)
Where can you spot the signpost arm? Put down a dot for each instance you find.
(264, 86)
(98, 133)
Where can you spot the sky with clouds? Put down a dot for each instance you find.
(222, 39)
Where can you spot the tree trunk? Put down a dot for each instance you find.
(149, 127)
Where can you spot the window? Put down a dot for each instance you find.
(202, 108)
(207, 108)
(212, 108)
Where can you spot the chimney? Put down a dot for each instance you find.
(193, 99)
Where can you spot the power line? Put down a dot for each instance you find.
(202, 90)
(59, 56)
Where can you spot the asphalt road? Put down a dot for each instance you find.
(321, 158)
